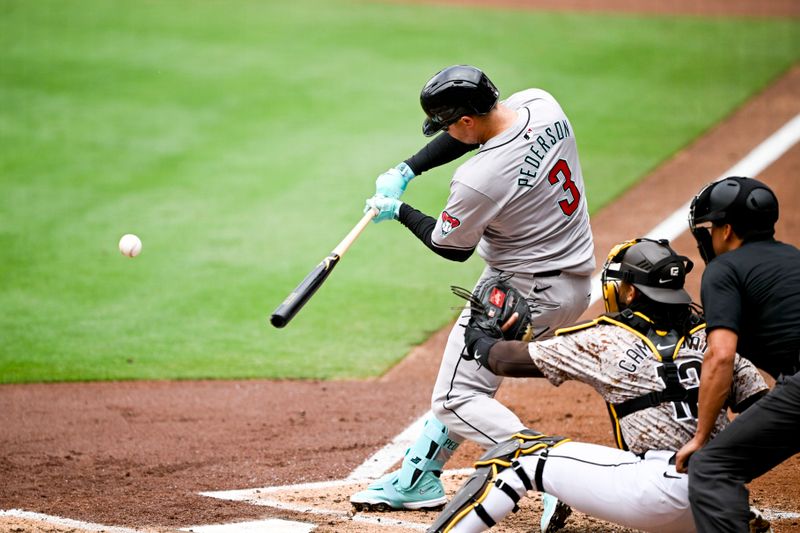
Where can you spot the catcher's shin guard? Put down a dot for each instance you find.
(497, 459)
(428, 453)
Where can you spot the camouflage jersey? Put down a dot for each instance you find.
(620, 365)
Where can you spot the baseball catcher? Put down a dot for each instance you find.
(643, 357)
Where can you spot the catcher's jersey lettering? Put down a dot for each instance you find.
(696, 342)
(689, 375)
(620, 366)
(634, 356)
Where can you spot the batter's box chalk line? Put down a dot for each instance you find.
(272, 525)
(63, 522)
(317, 501)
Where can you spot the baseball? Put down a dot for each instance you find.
(130, 245)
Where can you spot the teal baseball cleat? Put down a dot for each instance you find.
(386, 494)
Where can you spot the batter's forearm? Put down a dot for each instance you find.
(440, 151)
(511, 359)
(422, 226)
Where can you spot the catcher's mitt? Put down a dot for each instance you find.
(492, 304)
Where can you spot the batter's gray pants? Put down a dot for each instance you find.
(463, 396)
(756, 441)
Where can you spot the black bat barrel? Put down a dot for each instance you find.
(298, 297)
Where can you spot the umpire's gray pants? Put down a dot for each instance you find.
(757, 440)
(463, 396)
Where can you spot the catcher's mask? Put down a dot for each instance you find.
(748, 205)
(649, 265)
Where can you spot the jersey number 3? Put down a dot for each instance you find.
(561, 172)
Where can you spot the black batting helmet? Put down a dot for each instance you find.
(747, 204)
(454, 92)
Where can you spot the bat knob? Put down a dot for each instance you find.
(278, 321)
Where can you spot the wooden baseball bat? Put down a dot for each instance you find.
(298, 297)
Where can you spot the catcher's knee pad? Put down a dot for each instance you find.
(423, 456)
(500, 457)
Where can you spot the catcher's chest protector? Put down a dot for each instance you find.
(664, 346)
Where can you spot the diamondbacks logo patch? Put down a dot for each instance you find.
(449, 223)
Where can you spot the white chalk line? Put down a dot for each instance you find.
(368, 519)
(380, 462)
(256, 497)
(271, 525)
(65, 522)
(255, 494)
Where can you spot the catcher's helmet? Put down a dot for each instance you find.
(651, 266)
(747, 204)
(454, 92)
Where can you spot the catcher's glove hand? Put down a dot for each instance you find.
(497, 311)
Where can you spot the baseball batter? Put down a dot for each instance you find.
(645, 362)
(520, 203)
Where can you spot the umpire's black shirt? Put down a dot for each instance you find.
(755, 291)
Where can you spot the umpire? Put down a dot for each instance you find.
(751, 297)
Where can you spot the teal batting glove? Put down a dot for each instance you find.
(388, 208)
(394, 181)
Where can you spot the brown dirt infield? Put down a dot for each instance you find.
(136, 454)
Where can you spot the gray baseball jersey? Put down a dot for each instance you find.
(620, 366)
(520, 199)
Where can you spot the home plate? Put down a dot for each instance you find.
(272, 525)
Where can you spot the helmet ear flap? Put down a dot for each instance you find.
(611, 296)
(609, 280)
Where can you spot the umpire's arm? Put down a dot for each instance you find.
(716, 376)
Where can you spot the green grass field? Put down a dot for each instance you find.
(239, 139)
